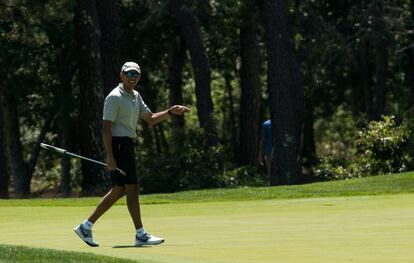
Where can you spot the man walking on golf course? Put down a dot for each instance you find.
(122, 108)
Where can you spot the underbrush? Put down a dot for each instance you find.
(350, 151)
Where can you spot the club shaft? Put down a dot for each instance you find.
(63, 151)
(84, 158)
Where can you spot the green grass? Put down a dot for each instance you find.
(378, 185)
(363, 220)
(12, 254)
(364, 229)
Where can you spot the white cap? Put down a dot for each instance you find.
(128, 66)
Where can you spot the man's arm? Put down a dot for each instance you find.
(107, 138)
(154, 118)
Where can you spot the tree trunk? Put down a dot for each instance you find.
(163, 139)
(375, 44)
(250, 86)
(381, 61)
(147, 137)
(176, 59)
(190, 29)
(410, 70)
(381, 64)
(18, 166)
(364, 76)
(95, 180)
(286, 94)
(362, 100)
(232, 116)
(64, 187)
(31, 164)
(157, 140)
(410, 77)
(308, 152)
(110, 25)
(4, 171)
(21, 170)
(65, 121)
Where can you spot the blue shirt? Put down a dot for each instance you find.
(267, 137)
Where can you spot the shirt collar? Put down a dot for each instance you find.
(123, 91)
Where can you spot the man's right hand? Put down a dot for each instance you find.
(111, 163)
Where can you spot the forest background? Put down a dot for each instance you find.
(335, 77)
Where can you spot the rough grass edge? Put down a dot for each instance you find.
(22, 254)
(375, 185)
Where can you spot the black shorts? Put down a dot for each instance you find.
(124, 154)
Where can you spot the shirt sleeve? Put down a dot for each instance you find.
(110, 108)
(143, 108)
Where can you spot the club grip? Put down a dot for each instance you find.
(122, 172)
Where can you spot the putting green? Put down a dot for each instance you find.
(342, 229)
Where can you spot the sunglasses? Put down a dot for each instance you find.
(131, 74)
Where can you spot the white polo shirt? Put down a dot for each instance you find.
(123, 109)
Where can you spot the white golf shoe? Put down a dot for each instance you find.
(148, 239)
(85, 235)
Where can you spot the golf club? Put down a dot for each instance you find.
(63, 151)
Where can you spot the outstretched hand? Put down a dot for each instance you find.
(179, 109)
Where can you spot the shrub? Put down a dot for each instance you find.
(244, 176)
(194, 165)
(381, 148)
(329, 169)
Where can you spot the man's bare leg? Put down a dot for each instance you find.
(141, 236)
(107, 202)
(131, 192)
(84, 230)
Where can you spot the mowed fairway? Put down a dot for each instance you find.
(329, 229)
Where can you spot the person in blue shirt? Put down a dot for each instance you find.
(265, 147)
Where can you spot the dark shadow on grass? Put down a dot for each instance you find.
(130, 246)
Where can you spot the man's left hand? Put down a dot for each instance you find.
(178, 109)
